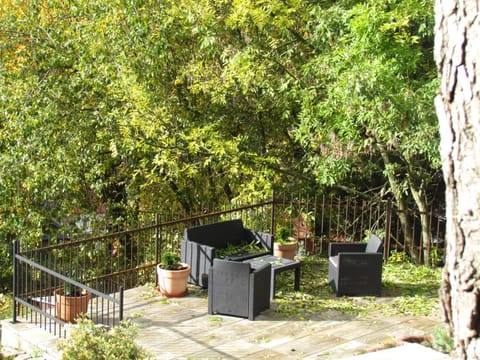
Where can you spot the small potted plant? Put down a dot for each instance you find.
(172, 275)
(285, 245)
(71, 302)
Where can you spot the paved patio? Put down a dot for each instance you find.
(180, 328)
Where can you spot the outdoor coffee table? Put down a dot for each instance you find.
(278, 265)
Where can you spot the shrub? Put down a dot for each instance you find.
(442, 341)
(90, 342)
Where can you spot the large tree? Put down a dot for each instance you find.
(457, 54)
(143, 103)
(367, 117)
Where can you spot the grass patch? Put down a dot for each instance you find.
(407, 289)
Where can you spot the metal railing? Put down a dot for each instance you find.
(319, 220)
(40, 293)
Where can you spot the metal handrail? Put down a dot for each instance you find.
(24, 296)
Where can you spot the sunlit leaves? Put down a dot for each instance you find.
(201, 101)
(376, 82)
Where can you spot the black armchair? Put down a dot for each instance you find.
(356, 268)
(237, 289)
(200, 243)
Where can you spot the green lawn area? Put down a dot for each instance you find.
(407, 289)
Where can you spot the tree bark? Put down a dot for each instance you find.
(457, 54)
(402, 207)
(420, 199)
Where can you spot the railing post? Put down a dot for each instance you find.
(14, 285)
(388, 225)
(120, 316)
(157, 238)
(272, 220)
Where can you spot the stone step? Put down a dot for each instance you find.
(24, 341)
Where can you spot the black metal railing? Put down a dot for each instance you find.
(40, 293)
(320, 219)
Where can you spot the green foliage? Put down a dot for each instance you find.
(6, 261)
(367, 120)
(284, 235)
(6, 309)
(133, 105)
(441, 341)
(170, 261)
(407, 289)
(398, 257)
(230, 249)
(90, 342)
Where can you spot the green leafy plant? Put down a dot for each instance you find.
(249, 248)
(171, 261)
(88, 341)
(284, 235)
(441, 341)
(5, 306)
(398, 257)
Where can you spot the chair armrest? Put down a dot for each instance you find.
(266, 267)
(336, 247)
(358, 261)
(264, 239)
(200, 258)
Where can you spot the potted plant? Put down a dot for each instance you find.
(172, 275)
(285, 245)
(71, 302)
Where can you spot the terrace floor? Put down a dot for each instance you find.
(181, 328)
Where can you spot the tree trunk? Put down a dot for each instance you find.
(402, 207)
(420, 200)
(457, 53)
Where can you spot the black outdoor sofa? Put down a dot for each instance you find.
(199, 245)
(356, 268)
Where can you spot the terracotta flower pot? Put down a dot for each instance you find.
(69, 308)
(286, 251)
(173, 283)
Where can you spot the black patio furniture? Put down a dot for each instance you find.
(200, 243)
(237, 289)
(278, 265)
(356, 268)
